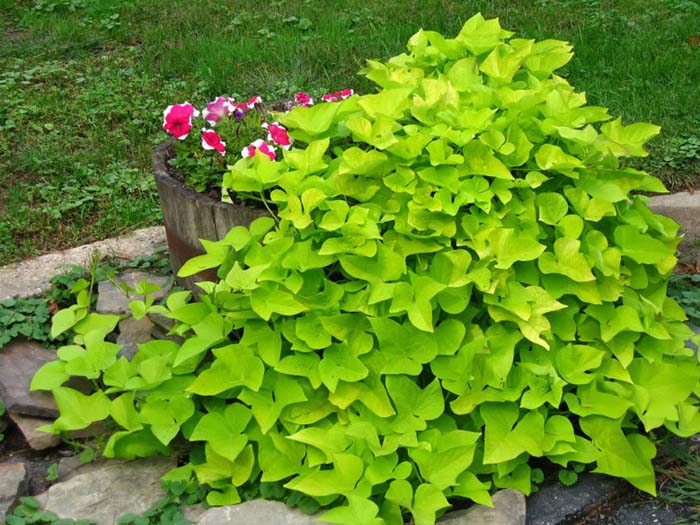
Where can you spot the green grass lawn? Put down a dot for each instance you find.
(83, 84)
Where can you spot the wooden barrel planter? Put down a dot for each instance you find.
(190, 216)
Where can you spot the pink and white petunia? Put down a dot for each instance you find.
(304, 99)
(261, 146)
(338, 95)
(249, 104)
(277, 134)
(221, 107)
(212, 141)
(177, 119)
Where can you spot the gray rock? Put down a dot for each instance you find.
(639, 513)
(164, 323)
(19, 361)
(555, 504)
(28, 425)
(508, 509)
(132, 332)
(103, 492)
(12, 483)
(112, 300)
(248, 513)
(69, 467)
(33, 277)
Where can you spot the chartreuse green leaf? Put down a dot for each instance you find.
(574, 362)
(51, 375)
(232, 367)
(223, 430)
(480, 35)
(215, 254)
(414, 406)
(167, 416)
(358, 511)
(504, 439)
(448, 455)
(550, 157)
(341, 479)
(427, 501)
(124, 412)
(78, 410)
(134, 444)
(552, 207)
(338, 364)
(547, 56)
(403, 348)
(626, 456)
(640, 247)
(504, 62)
(660, 387)
(628, 140)
(268, 402)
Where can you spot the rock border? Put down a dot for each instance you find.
(32, 277)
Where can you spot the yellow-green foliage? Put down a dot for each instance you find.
(457, 280)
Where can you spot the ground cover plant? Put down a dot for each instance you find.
(460, 276)
(82, 84)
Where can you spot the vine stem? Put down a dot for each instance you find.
(264, 201)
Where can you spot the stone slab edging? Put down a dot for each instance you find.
(32, 277)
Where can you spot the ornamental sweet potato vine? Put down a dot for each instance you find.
(460, 276)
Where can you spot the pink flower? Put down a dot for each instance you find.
(249, 104)
(212, 140)
(261, 146)
(177, 119)
(221, 107)
(304, 99)
(277, 134)
(338, 95)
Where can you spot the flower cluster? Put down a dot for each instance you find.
(227, 125)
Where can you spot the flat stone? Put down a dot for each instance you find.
(638, 513)
(28, 427)
(112, 300)
(19, 361)
(12, 484)
(556, 504)
(163, 323)
(105, 491)
(132, 332)
(250, 512)
(68, 467)
(33, 276)
(508, 509)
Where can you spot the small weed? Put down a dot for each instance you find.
(54, 6)
(30, 318)
(266, 33)
(52, 472)
(166, 511)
